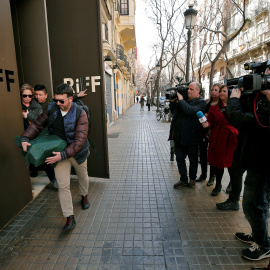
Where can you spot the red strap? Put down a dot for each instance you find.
(255, 102)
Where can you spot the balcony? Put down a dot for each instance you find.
(232, 30)
(126, 24)
(119, 52)
(125, 60)
(247, 25)
(235, 51)
(260, 13)
(120, 55)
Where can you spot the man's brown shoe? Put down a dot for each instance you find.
(179, 184)
(192, 183)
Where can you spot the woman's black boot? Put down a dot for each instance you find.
(216, 190)
(211, 180)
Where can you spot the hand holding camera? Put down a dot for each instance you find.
(236, 93)
(180, 97)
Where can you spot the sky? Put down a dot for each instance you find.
(145, 33)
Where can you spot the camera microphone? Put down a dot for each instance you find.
(201, 117)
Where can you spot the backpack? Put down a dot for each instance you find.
(86, 109)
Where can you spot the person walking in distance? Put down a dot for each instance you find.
(148, 103)
(142, 103)
(69, 121)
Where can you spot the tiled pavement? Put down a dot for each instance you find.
(136, 219)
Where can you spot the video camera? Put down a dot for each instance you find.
(254, 81)
(181, 88)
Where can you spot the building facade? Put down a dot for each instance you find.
(119, 50)
(252, 44)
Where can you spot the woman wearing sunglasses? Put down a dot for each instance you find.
(30, 107)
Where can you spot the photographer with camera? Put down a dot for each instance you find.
(254, 125)
(187, 133)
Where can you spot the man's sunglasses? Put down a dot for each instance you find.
(30, 96)
(61, 101)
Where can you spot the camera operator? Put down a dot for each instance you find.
(254, 125)
(187, 133)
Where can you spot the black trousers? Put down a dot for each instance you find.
(203, 150)
(237, 170)
(48, 168)
(219, 174)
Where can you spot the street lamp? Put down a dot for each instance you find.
(190, 19)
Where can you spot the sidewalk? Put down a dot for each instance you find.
(137, 220)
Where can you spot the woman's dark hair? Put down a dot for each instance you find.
(229, 92)
(64, 89)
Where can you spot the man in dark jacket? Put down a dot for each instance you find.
(187, 133)
(61, 118)
(255, 158)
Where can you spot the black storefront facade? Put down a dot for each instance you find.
(47, 42)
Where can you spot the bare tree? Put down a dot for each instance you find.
(202, 53)
(215, 21)
(164, 14)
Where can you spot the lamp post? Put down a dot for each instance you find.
(190, 18)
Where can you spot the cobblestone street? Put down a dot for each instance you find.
(136, 220)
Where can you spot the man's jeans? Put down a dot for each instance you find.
(181, 152)
(255, 205)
